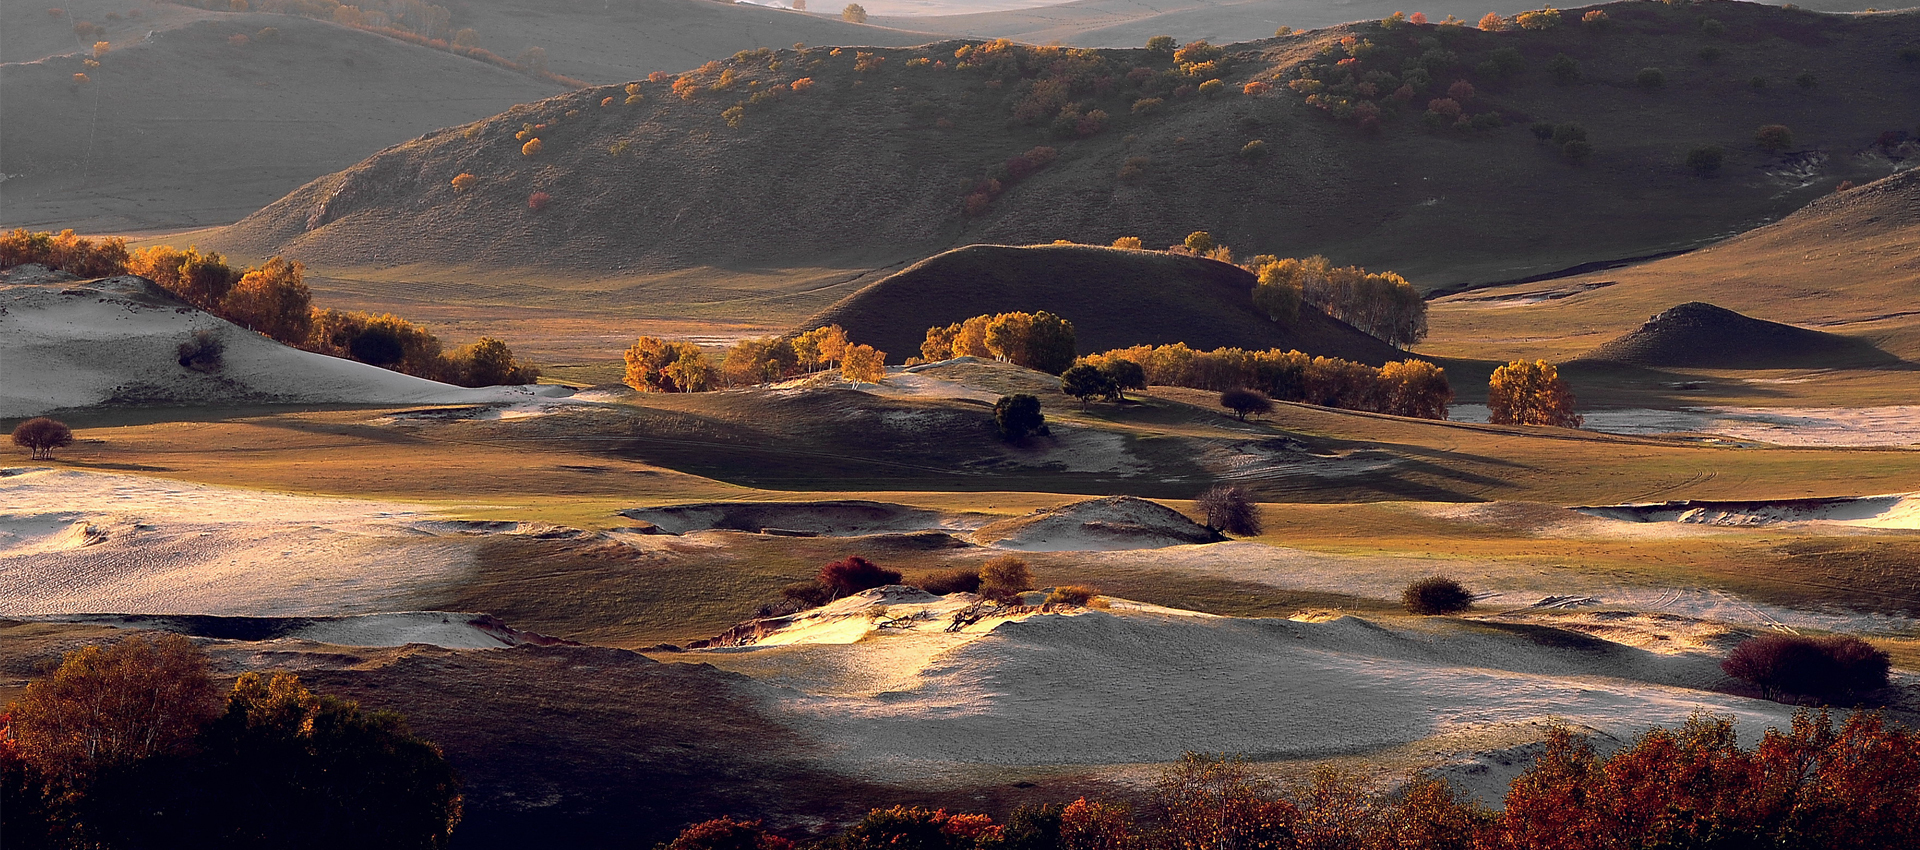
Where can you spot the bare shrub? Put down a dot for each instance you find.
(1004, 578)
(1436, 595)
(1819, 667)
(202, 352)
(1230, 509)
(854, 574)
(1072, 594)
(40, 436)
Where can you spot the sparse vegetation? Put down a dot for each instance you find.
(1650, 79)
(1005, 578)
(1834, 666)
(951, 581)
(1436, 595)
(1230, 509)
(854, 574)
(202, 352)
(1523, 393)
(1073, 594)
(40, 436)
(1705, 160)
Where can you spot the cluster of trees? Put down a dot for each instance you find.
(133, 745)
(1381, 304)
(1522, 393)
(665, 366)
(1039, 340)
(272, 299)
(41, 435)
(1109, 380)
(1813, 786)
(1407, 388)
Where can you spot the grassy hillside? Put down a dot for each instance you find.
(1125, 23)
(187, 128)
(1114, 298)
(872, 166)
(1848, 263)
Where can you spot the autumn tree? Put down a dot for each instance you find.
(821, 347)
(655, 365)
(115, 705)
(862, 364)
(1205, 802)
(1416, 388)
(1230, 509)
(274, 300)
(759, 361)
(854, 13)
(1038, 340)
(1279, 289)
(41, 435)
(725, 833)
(488, 362)
(1522, 393)
(202, 280)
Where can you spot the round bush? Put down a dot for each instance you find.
(1436, 595)
(1806, 666)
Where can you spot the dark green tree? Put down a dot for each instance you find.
(1125, 375)
(1085, 382)
(1019, 415)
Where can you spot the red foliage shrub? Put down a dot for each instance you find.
(538, 201)
(1444, 106)
(1792, 664)
(855, 574)
(1461, 91)
(725, 833)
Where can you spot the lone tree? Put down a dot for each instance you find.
(1522, 393)
(1004, 578)
(1229, 509)
(1125, 375)
(1243, 401)
(1436, 595)
(1085, 382)
(854, 14)
(41, 436)
(1019, 415)
(1773, 138)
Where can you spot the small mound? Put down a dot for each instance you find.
(833, 518)
(1114, 298)
(1701, 335)
(1899, 511)
(436, 628)
(1115, 522)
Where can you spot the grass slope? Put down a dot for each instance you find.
(1848, 264)
(188, 129)
(870, 167)
(1114, 298)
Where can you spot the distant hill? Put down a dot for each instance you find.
(1849, 262)
(1129, 23)
(1700, 335)
(1114, 298)
(189, 129)
(871, 165)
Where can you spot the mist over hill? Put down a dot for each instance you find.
(875, 157)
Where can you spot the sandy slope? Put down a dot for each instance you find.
(1139, 684)
(116, 341)
(1891, 425)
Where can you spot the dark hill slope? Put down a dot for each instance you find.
(187, 128)
(1700, 335)
(870, 167)
(1114, 298)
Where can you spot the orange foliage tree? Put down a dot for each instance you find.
(661, 366)
(1522, 393)
(274, 300)
(862, 364)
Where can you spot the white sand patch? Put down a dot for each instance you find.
(1896, 425)
(116, 340)
(1554, 521)
(902, 382)
(1123, 686)
(173, 547)
(1897, 511)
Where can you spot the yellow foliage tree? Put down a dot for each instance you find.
(115, 705)
(463, 181)
(854, 13)
(1416, 388)
(274, 300)
(1493, 22)
(532, 147)
(821, 347)
(1522, 393)
(100, 48)
(1130, 243)
(202, 280)
(655, 365)
(861, 364)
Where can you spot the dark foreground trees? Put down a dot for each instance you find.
(40, 436)
(132, 746)
(1814, 786)
(1018, 415)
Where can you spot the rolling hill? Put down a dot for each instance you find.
(186, 128)
(1696, 334)
(1114, 298)
(1847, 263)
(870, 165)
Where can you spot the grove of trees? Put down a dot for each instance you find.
(1381, 304)
(274, 300)
(133, 745)
(1522, 393)
(658, 365)
(1038, 340)
(1407, 388)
